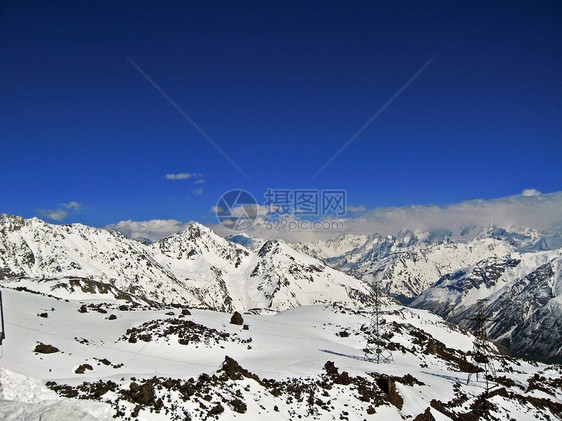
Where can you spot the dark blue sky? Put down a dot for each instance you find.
(280, 88)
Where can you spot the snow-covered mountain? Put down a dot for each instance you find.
(272, 276)
(84, 359)
(408, 263)
(517, 270)
(97, 328)
(195, 267)
(55, 254)
(523, 293)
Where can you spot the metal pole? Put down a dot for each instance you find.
(2, 335)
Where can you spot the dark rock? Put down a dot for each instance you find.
(330, 368)
(343, 379)
(235, 371)
(45, 349)
(239, 406)
(82, 368)
(142, 394)
(388, 386)
(218, 409)
(236, 319)
(425, 416)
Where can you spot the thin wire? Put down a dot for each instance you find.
(135, 353)
(188, 118)
(368, 123)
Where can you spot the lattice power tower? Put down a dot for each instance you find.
(481, 356)
(375, 350)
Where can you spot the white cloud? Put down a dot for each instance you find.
(197, 192)
(199, 181)
(75, 206)
(61, 212)
(183, 176)
(54, 214)
(530, 192)
(532, 211)
(154, 229)
(356, 209)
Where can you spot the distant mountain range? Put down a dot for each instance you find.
(518, 272)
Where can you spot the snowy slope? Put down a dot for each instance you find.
(164, 363)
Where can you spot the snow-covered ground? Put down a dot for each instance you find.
(127, 350)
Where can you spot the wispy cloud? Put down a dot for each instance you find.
(197, 178)
(373, 118)
(538, 211)
(188, 118)
(61, 212)
(531, 192)
(356, 209)
(74, 206)
(153, 229)
(183, 176)
(53, 214)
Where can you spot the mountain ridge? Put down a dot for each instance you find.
(195, 267)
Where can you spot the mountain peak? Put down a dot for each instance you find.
(195, 229)
(11, 222)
